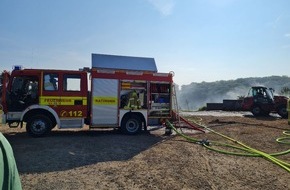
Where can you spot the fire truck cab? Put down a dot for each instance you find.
(117, 91)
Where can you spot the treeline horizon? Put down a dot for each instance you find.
(195, 95)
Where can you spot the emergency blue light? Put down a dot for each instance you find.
(17, 67)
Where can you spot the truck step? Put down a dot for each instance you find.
(71, 123)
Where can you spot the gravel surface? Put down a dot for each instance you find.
(106, 159)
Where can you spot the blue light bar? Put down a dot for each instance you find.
(17, 67)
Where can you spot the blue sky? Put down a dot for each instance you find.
(200, 40)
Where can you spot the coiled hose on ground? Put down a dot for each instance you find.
(284, 140)
(243, 148)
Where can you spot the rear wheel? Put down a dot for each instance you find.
(38, 126)
(282, 111)
(131, 125)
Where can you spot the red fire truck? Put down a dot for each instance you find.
(117, 91)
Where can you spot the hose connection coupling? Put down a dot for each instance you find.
(203, 142)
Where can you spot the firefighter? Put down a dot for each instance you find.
(48, 85)
(134, 102)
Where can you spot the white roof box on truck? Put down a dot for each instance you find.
(117, 62)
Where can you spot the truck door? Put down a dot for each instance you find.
(22, 91)
(66, 93)
(104, 102)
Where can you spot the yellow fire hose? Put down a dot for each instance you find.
(247, 151)
(284, 140)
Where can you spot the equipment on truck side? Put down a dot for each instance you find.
(123, 92)
(261, 101)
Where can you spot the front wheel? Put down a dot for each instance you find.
(38, 126)
(257, 111)
(131, 125)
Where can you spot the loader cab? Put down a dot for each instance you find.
(261, 95)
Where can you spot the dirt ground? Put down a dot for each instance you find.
(106, 159)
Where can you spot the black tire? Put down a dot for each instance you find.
(282, 111)
(266, 113)
(131, 125)
(38, 126)
(257, 111)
